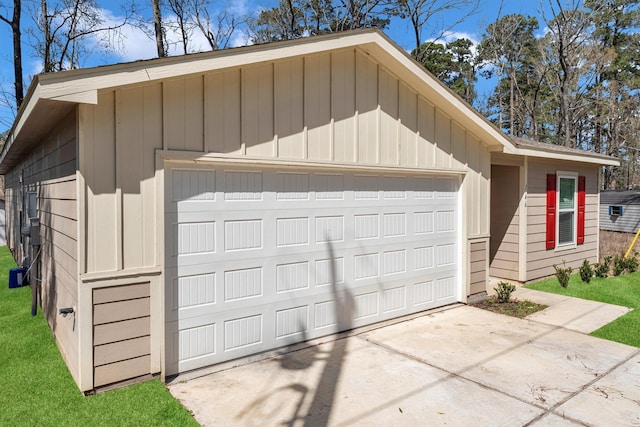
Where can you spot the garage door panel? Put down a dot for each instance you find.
(259, 259)
(241, 284)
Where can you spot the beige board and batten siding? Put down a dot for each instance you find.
(338, 108)
(505, 221)
(354, 112)
(117, 167)
(50, 172)
(540, 260)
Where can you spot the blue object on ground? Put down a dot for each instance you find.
(16, 277)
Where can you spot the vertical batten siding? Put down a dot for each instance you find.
(317, 107)
(122, 337)
(183, 113)
(343, 105)
(367, 108)
(408, 123)
(289, 119)
(443, 140)
(135, 170)
(258, 138)
(50, 171)
(426, 134)
(120, 177)
(505, 222)
(222, 112)
(338, 106)
(100, 178)
(389, 100)
(540, 260)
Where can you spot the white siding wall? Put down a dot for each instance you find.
(629, 222)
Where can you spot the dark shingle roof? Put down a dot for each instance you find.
(620, 197)
(528, 143)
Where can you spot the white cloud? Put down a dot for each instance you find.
(240, 37)
(131, 41)
(197, 42)
(450, 36)
(135, 42)
(33, 66)
(239, 7)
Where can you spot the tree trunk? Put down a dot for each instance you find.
(512, 101)
(416, 33)
(16, 33)
(157, 24)
(48, 66)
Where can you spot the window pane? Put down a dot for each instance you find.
(31, 205)
(565, 227)
(567, 193)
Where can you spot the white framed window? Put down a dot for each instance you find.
(567, 204)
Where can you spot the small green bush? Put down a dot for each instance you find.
(601, 270)
(632, 264)
(504, 291)
(563, 274)
(586, 272)
(619, 265)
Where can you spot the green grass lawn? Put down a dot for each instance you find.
(621, 290)
(36, 389)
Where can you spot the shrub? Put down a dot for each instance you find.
(586, 272)
(632, 264)
(563, 274)
(602, 269)
(504, 291)
(619, 265)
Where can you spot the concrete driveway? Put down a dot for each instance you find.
(457, 366)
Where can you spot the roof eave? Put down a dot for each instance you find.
(82, 85)
(584, 158)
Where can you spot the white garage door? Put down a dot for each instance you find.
(261, 258)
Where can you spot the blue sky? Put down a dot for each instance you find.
(137, 45)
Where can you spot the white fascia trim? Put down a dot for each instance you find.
(190, 157)
(444, 92)
(82, 85)
(566, 156)
(85, 97)
(58, 84)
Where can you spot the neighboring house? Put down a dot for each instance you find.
(202, 208)
(620, 210)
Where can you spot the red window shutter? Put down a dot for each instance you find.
(582, 201)
(551, 211)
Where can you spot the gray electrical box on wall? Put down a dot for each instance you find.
(34, 231)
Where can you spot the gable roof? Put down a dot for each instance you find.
(51, 96)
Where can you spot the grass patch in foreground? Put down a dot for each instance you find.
(38, 390)
(514, 307)
(619, 290)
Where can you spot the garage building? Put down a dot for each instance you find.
(199, 209)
